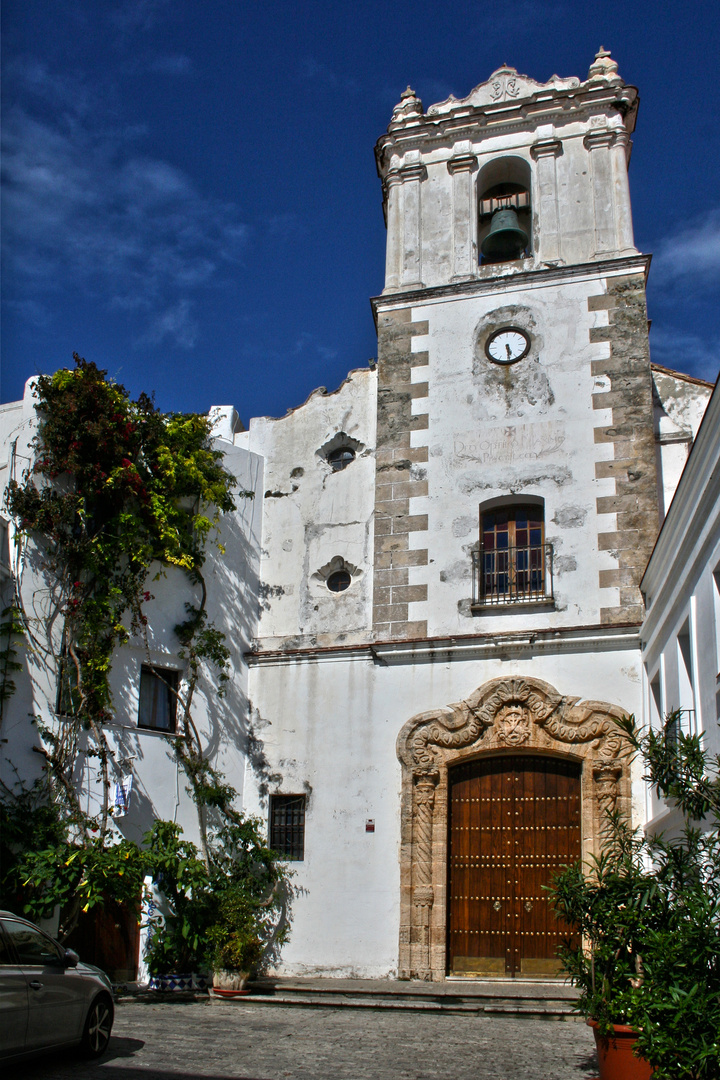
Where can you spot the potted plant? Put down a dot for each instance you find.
(176, 947)
(235, 941)
(608, 907)
(646, 920)
(221, 913)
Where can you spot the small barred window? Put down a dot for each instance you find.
(287, 826)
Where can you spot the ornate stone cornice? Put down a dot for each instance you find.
(486, 121)
(462, 163)
(517, 277)
(546, 148)
(600, 137)
(581, 639)
(412, 172)
(425, 738)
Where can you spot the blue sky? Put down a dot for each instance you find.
(190, 192)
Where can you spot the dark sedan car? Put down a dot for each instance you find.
(47, 997)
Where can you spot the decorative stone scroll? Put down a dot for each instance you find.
(504, 716)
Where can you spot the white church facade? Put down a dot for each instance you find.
(433, 600)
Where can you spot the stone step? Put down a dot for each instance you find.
(515, 999)
(511, 1007)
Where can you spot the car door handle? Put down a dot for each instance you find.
(35, 985)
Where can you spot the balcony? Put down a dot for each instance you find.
(512, 577)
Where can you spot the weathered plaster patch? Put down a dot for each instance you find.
(564, 564)
(462, 526)
(570, 517)
(513, 481)
(458, 571)
(514, 390)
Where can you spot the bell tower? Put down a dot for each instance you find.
(513, 360)
(550, 158)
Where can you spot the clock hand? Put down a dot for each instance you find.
(507, 349)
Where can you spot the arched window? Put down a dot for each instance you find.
(340, 459)
(514, 564)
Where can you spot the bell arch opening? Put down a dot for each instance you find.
(504, 719)
(504, 210)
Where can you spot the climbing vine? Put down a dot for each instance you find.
(116, 490)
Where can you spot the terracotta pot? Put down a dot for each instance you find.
(230, 982)
(615, 1055)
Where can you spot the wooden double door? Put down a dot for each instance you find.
(513, 821)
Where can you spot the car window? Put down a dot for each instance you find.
(6, 956)
(32, 946)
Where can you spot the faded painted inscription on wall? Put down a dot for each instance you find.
(510, 443)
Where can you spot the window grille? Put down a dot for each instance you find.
(340, 459)
(287, 826)
(513, 564)
(339, 581)
(158, 698)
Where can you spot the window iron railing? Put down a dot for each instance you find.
(682, 722)
(512, 575)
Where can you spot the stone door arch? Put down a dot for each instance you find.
(502, 715)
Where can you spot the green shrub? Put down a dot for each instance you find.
(646, 915)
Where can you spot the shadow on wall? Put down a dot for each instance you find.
(231, 576)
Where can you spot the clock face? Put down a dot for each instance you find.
(508, 345)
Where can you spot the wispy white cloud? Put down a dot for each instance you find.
(692, 252)
(171, 65)
(315, 71)
(85, 209)
(176, 323)
(136, 16)
(683, 351)
(38, 83)
(307, 343)
(524, 16)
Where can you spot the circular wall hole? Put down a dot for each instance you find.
(339, 581)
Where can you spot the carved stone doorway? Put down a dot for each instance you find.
(514, 820)
(525, 716)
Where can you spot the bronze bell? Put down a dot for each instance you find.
(506, 240)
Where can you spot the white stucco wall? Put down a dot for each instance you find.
(312, 515)
(679, 406)
(328, 727)
(682, 594)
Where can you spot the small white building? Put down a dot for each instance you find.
(681, 632)
(434, 599)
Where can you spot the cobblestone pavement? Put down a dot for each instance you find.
(230, 1041)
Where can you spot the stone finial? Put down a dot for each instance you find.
(408, 108)
(604, 67)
